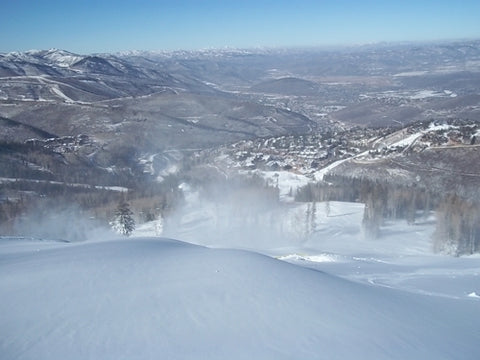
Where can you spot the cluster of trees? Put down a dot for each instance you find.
(329, 191)
(383, 201)
(18, 198)
(458, 219)
(25, 201)
(458, 226)
(117, 165)
(45, 175)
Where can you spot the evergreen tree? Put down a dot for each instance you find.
(123, 222)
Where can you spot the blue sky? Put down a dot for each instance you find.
(86, 26)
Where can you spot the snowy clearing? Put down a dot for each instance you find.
(313, 289)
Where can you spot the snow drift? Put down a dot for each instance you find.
(150, 298)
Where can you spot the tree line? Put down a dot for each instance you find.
(24, 202)
(458, 218)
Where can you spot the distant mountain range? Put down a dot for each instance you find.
(157, 102)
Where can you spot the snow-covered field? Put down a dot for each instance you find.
(330, 294)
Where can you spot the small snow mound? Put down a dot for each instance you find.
(313, 258)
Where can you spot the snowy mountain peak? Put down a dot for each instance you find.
(53, 57)
(62, 58)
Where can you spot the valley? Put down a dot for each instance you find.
(400, 115)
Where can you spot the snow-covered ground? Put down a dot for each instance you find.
(150, 298)
(310, 286)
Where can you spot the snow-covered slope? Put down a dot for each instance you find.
(151, 298)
